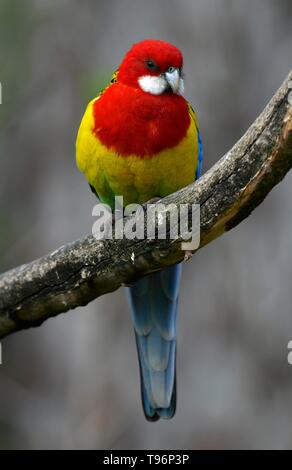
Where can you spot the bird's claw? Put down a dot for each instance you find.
(188, 255)
(153, 200)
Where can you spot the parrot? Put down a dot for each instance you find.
(139, 138)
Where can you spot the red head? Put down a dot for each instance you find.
(153, 65)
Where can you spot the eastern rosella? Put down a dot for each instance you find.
(139, 138)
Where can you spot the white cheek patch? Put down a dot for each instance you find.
(153, 85)
(181, 87)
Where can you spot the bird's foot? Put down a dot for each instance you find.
(153, 200)
(188, 255)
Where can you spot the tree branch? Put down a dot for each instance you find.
(79, 272)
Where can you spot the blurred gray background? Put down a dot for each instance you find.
(74, 382)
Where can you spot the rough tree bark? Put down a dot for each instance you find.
(77, 273)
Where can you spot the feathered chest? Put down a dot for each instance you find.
(132, 122)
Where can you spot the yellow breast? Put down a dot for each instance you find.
(133, 177)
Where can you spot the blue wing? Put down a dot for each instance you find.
(200, 156)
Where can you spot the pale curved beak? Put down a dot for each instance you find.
(174, 80)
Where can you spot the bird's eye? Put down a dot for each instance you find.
(151, 65)
(170, 69)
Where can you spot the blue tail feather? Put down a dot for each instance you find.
(154, 302)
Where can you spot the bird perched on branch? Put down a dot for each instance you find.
(139, 138)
